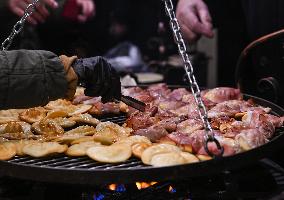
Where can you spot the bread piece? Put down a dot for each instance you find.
(20, 145)
(109, 132)
(138, 148)
(85, 119)
(135, 139)
(7, 150)
(81, 148)
(41, 149)
(33, 115)
(110, 154)
(189, 158)
(167, 159)
(157, 149)
(82, 139)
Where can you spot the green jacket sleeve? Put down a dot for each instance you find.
(30, 78)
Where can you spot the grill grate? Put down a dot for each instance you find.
(115, 119)
(65, 162)
(85, 171)
(82, 163)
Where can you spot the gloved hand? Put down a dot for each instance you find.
(99, 78)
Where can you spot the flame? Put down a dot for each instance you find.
(117, 187)
(143, 185)
(112, 187)
(172, 190)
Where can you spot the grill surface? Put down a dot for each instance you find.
(83, 163)
(82, 170)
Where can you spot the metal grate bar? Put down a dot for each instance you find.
(68, 162)
(125, 165)
(20, 159)
(84, 163)
(77, 163)
(46, 161)
(119, 119)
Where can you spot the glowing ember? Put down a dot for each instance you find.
(143, 185)
(112, 187)
(172, 190)
(117, 187)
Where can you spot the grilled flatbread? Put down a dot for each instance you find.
(20, 145)
(33, 115)
(7, 150)
(81, 148)
(67, 106)
(138, 148)
(41, 149)
(108, 132)
(10, 115)
(135, 139)
(110, 154)
(48, 128)
(85, 119)
(82, 139)
(82, 130)
(189, 158)
(157, 149)
(167, 159)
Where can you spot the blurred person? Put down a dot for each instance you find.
(64, 20)
(34, 77)
(79, 10)
(18, 7)
(262, 17)
(239, 22)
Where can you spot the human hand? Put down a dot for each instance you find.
(39, 15)
(194, 19)
(99, 78)
(88, 9)
(79, 10)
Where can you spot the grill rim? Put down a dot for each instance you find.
(83, 176)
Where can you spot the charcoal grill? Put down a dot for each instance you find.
(64, 169)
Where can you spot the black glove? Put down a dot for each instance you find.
(99, 78)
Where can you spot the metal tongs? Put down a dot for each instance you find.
(134, 103)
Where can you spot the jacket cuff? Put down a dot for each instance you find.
(71, 76)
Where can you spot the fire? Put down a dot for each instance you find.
(143, 185)
(112, 187)
(117, 187)
(121, 187)
(172, 190)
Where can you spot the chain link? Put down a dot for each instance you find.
(18, 27)
(174, 24)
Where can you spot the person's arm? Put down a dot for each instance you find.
(31, 78)
(194, 19)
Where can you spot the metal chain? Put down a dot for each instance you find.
(19, 25)
(209, 134)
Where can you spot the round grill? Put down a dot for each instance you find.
(82, 170)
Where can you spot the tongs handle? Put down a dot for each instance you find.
(132, 102)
